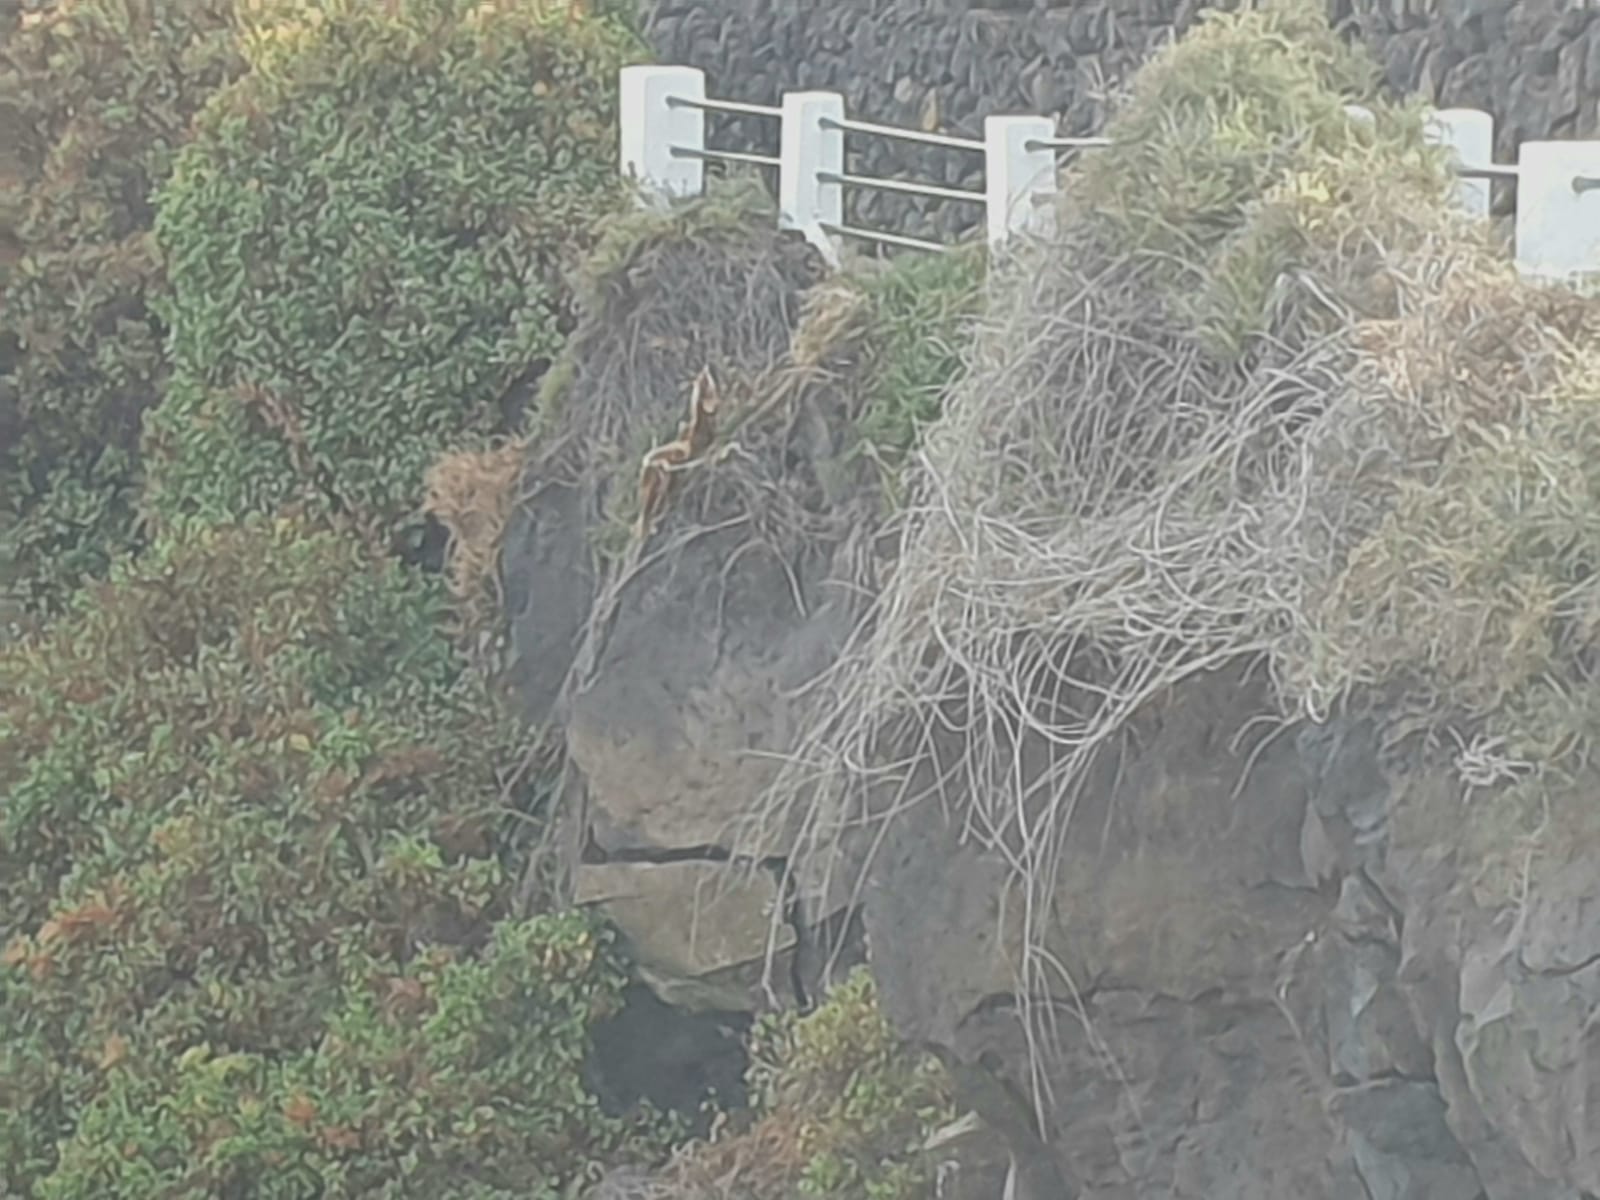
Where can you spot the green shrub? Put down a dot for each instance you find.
(97, 95)
(445, 1078)
(367, 242)
(842, 1110)
(916, 314)
(248, 800)
(860, 1103)
(1212, 122)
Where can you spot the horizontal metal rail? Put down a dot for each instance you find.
(905, 135)
(888, 239)
(1065, 143)
(733, 156)
(1585, 183)
(907, 187)
(1488, 171)
(725, 106)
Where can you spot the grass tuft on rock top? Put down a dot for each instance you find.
(367, 242)
(258, 935)
(706, 283)
(916, 316)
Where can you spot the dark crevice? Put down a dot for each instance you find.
(1395, 915)
(794, 915)
(593, 853)
(1349, 1082)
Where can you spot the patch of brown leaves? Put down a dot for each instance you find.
(472, 494)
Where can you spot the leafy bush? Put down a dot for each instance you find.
(366, 243)
(255, 937)
(864, 1102)
(916, 315)
(842, 1110)
(1217, 119)
(447, 1077)
(97, 95)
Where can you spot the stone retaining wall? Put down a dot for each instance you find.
(946, 64)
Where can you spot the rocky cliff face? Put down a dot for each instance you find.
(1534, 64)
(1268, 985)
(1278, 972)
(672, 666)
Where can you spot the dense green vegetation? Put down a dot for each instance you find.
(267, 929)
(366, 242)
(257, 818)
(841, 1110)
(257, 918)
(862, 1104)
(916, 315)
(98, 96)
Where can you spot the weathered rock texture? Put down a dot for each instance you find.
(1534, 64)
(698, 938)
(1268, 986)
(672, 660)
(946, 64)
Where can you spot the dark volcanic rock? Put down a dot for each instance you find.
(1268, 984)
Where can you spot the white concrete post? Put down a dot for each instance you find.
(1469, 132)
(653, 126)
(811, 146)
(1019, 177)
(1558, 210)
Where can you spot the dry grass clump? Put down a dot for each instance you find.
(711, 290)
(707, 284)
(472, 494)
(1264, 397)
(1469, 482)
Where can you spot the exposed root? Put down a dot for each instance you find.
(660, 466)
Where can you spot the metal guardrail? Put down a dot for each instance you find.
(1486, 171)
(731, 156)
(725, 106)
(895, 133)
(664, 111)
(877, 183)
(888, 239)
(1067, 143)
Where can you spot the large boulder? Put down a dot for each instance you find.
(703, 941)
(673, 656)
(690, 698)
(1263, 983)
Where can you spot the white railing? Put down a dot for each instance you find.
(663, 143)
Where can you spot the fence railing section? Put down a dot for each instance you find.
(663, 143)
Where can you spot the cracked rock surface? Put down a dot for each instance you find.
(1250, 1009)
